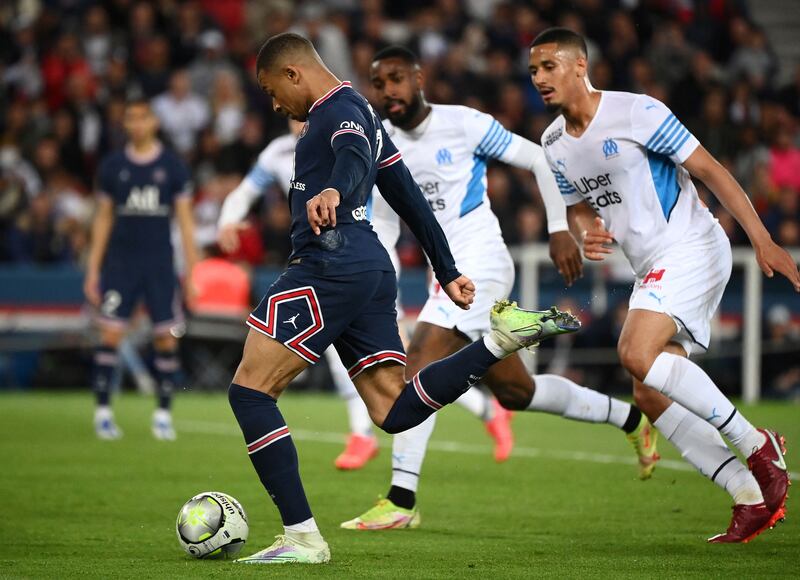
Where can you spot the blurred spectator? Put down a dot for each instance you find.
(328, 39)
(222, 287)
(790, 94)
(712, 128)
(781, 345)
(210, 61)
(785, 161)
(753, 60)
(37, 236)
(227, 106)
(182, 113)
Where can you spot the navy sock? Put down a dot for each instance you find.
(168, 370)
(438, 384)
(105, 361)
(271, 451)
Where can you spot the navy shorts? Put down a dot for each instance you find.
(307, 312)
(124, 285)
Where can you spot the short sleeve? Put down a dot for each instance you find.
(262, 175)
(485, 135)
(568, 191)
(657, 129)
(389, 152)
(182, 179)
(105, 183)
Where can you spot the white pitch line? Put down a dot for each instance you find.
(211, 428)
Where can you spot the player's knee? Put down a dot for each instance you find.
(111, 337)
(636, 360)
(165, 342)
(514, 397)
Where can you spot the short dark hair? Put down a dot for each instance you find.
(562, 37)
(279, 46)
(396, 51)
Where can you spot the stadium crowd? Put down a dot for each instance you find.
(68, 66)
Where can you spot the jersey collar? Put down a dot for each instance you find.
(329, 94)
(140, 159)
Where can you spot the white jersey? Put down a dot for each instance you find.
(627, 166)
(275, 165)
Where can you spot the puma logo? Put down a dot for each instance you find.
(655, 296)
(292, 321)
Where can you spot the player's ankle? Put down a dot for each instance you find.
(402, 497)
(303, 530)
(498, 345)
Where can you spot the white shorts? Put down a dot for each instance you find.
(687, 283)
(493, 275)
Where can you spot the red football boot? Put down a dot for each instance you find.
(748, 521)
(769, 469)
(358, 451)
(499, 427)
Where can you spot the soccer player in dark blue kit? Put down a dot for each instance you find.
(131, 259)
(340, 289)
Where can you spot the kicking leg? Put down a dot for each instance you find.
(266, 369)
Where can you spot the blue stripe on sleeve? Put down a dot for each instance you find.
(564, 186)
(489, 138)
(658, 131)
(260, 177)
(680, 143)
(680, 137)
(669, 137)
(500, 145)
(658, 138)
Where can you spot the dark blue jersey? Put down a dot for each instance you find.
(144, 194)
(344, 145)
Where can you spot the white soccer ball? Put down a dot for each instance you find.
(211, 525)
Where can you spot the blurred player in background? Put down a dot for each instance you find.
(447, 148)
(340, 288)
(131, 259)
(274, 167)
(624, 164)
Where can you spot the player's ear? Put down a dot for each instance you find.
(292, 73)
(581, 65)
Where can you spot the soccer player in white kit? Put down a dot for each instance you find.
(447, 148)
(274, 167)
(623, 163)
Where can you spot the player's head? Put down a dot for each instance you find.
(286, 64)
(558, 65)
(397, 81)
(141, 123)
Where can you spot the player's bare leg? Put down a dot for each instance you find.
(105, 361)
(266, 369)
(759, 497)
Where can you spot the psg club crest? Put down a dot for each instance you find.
(610, 148)
(159, 175)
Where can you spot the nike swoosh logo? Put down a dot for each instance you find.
(529, 327)
(780, 463)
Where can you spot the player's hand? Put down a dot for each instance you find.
(771, 258)
(461, 291)
(595, 240)
(91, 288)
(228, 237)
(566, 256)
(322, 209)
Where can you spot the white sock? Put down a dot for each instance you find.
(303, 527)
(357, 413)
(408, 453)
(702, 446)
(102, 412)
(494, 348)
(559, 396)
(478, 403)
(686, 383)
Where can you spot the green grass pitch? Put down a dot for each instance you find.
(566, 505)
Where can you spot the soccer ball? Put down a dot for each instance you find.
(212, 525)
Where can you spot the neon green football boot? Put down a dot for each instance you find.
(644, 440)
(385, 515)
(514, 328)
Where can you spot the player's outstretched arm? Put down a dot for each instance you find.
(770, 256)
(101, 231)
(234, 210)
(404, 196)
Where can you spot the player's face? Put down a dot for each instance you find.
(140, 122)
(397, 89)
(285, 92)
(556, 72)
